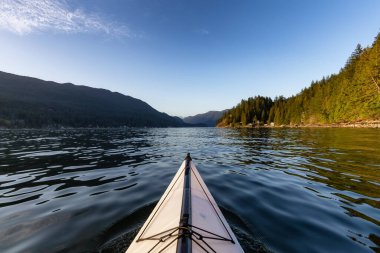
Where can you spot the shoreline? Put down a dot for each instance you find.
(360, 124)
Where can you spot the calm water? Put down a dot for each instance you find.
(282, 190)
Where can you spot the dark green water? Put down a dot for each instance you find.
(282, 190)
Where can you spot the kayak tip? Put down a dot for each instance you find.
(186, 219)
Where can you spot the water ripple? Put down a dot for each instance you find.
(282, 190)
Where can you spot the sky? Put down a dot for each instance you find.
(185, 57)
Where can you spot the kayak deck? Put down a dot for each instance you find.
(200, 228)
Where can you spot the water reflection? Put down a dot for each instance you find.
(289, 190)
(341, 165)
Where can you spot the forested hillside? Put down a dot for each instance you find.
(34, 103)
(352, 95)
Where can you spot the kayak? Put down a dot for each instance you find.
(186, 219)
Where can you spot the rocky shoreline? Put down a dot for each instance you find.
(358, 124)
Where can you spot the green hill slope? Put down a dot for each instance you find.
(352, 95)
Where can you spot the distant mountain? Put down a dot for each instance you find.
(207, 119)
(30, 102)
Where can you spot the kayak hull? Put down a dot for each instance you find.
(207, 230)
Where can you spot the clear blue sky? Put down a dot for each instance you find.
(185, 57)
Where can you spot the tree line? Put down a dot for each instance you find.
(351, 95)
